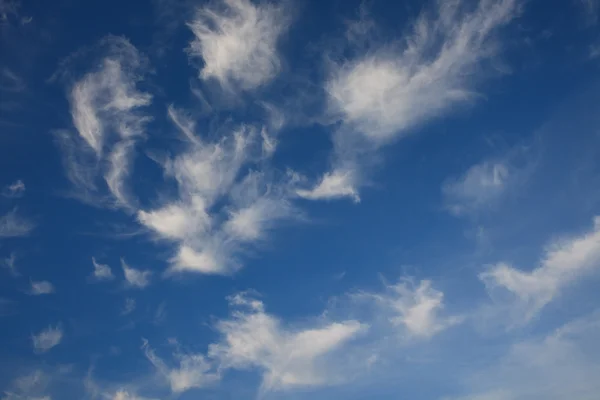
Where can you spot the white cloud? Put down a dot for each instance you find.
(124, 395)
(387, 90)
(119, 162)
(288, 357)
(134, 277)
(223, 204)
(14, 190)
(562, 263)
(106, 110)
(415, 309)
(252, 339)
(335, 184)
(102, 272)
(479, 186)
(10, 264)
(129, 306)
(47, 339)
(237, 42)
(193, 371)
(13, 225)
(561, 365)
(28, 387)
(41, 287)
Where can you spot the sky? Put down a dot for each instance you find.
(299, 199)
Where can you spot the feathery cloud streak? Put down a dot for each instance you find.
(237, 42)
(388, 90)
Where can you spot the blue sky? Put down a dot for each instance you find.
(302, 199)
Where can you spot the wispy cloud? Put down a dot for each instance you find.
(102, 272)
(30, 386)
(479, 186)
(389, 89)
(134, 277)
(288, 358)
(129, 306)
(484, 185)
(10, 264)
(8, 8)
(254, 339)
(223, 204)
(14, 225)
(10, 81)
(562, 263)
(417, 310)
(237, 42)
(39, 288)
(106, 110)
(47, 339)
(14, 190)
(193, 370)
(560, 365)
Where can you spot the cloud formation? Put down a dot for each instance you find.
(253, 339)
(129, 306)
(387, 90)
(415, 309)
(288, 357)
(134, 277)
(228, 198)
(47, 339)
(102, 272)
(107, 113)
(560, 365)
(479, 186)
(237, 42)
(14, 225)
(41, 287)
(14, 190)
(562, 263)
(193, 370)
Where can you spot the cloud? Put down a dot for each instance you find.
(124, 395)
(129, 306)
(13, 225)
(333, 185)
(193, 370)
(559, 365)
(228, 198)
(479, 186)
(416, 309)
(10, 264)
(482, 186)
(7, 8)
(562, 263)
(160, 314)
(134, 277)
(28, 387)
(47, 339)
(252, 339)
(41, 287)
(10, 81)
(14, 190)
(102, 272)
(387, 90)
(288, 357)
(237, 42)
(106, 108)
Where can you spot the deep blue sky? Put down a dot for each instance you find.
(242, 199)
